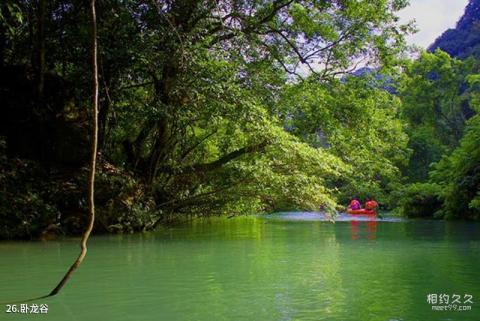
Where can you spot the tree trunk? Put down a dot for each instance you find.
(91, 177)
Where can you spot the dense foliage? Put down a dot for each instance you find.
(435, 98)
(440, 106)
(459, 173)
(439, 96)
(228, 107)
(197, 112)
(357, 121)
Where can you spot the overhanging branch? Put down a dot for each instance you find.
(199, 168)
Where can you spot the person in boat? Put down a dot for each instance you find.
(370, 204)
(354, 204)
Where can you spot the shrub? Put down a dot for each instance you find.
(420, 200)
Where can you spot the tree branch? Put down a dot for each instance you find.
(197, 168)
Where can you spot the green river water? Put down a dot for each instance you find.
(292, 266)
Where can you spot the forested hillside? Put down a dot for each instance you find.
(463, 40)
(440, 97)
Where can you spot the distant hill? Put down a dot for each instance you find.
(464, 39)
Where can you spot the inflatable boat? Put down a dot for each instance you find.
(362, 211)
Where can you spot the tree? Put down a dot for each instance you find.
(221, 71)
(459, 172)
(452, 188)
(435, 99)
(189, 92)
(357, 120)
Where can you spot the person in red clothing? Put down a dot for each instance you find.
(371, 204)
(354, 204)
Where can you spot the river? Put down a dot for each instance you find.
(286, 266)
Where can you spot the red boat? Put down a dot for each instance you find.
(362, 211)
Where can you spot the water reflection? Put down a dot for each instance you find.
(357, 226)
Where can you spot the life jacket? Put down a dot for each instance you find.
(355, 205)
(371, 205)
